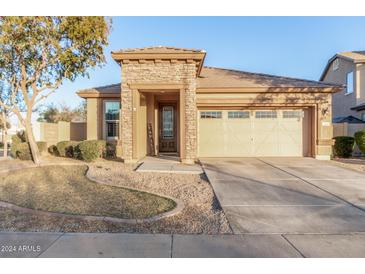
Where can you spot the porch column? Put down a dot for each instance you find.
(188, 124)
(126, 123)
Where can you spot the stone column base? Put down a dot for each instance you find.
(130, 161)
(323, 157)
(187, 161)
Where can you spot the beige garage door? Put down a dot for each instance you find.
(229, 133)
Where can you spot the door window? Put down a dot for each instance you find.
(168, 122)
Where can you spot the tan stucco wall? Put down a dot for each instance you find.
(63, 131)
(92, 119)
(151, 118)
(142, 126)
(320, 103)
(52, 133)
(342, 102)
(155, 73)
(360, 85)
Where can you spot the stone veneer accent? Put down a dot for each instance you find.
(159, 72)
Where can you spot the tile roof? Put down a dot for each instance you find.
(159, 49)
(359, 107)
(228, 78)
(357, 56)
(108, 89)
(348, 119)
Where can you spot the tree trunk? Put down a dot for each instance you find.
(5, 140)
(32, 143)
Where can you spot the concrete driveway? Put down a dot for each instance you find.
(288, 195)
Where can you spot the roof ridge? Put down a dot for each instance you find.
(274, 76)
(159, 47)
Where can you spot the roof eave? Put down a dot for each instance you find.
(268, 89)
(93, 93)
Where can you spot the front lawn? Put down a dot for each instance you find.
(65, 189)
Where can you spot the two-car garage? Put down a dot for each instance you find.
(251, 133)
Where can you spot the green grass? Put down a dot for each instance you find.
(65, 189)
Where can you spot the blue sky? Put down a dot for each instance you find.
(287, 46)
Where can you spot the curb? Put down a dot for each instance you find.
(179, 204)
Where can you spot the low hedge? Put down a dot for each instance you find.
(42, 146)
(90, 150)
(15, 140)
(66, 149)
(360, 140)
(111, 150)
(53, 150)
(22, 151)
(344, 146)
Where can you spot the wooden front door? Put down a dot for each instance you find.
(167, 130)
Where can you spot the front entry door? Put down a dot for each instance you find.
(167, 131)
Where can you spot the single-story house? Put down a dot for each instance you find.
(169, 102)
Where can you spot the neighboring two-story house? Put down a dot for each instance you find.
(347, 68)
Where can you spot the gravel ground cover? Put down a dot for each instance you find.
(353, 163)
(201, 214)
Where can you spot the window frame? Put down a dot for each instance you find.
(220, 116)
(300, 112)
(246, 114)
(105, 121)
(264, 117)
(352, 83)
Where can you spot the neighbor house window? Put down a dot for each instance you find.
(112, 109)
(210, 114)
(266, 114)
(335, 64)
(238, 114)
(363, 116)
(350, 82)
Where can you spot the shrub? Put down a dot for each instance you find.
(110, 149)
(344, 146)
(91, 149)
(15, 140)
(42, 146)
(22, 136)
(67, 149)
(53, 150)
(23, 151)
(360, 140)
(101, 144)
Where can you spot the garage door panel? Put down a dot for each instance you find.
(237, 137)
(264, 137)
(211, 138)
(262, 133)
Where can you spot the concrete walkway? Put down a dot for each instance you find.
(81, 245)
(167, 164)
